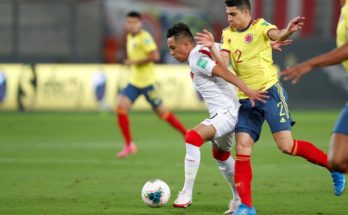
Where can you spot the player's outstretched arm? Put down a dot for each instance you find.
(253, 95)
(330, 58)
(294, 25)
(206, 39)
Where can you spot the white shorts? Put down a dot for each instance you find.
(224, 122)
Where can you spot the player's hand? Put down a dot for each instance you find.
(128, 62)
(257, 95)
(295, 24)
(205, 38)
(296, 72)
(276, 45)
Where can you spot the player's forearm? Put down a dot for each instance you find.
(225, 57)
(216, 56)
(281, 35)
(239, 84)
(336, 56)
(224, 73)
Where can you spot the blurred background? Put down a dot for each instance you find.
(61, 72)
(65, 54)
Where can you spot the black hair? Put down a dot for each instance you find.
(179, 31)
(134, 14)
(240, 4)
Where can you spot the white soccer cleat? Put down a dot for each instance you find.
(232, 206)
(182, 201)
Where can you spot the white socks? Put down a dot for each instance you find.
(192, 160)
(227, 170)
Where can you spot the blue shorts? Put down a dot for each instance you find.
(342, 121)
(150, 93)
(275, 111)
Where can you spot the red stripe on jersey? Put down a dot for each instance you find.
(205, 52)
(225, 50)
(308, 11)
(192, 75)
(280, 13)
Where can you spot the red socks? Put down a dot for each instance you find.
(194, 138)
(173, 121)
(123, 122)
(220, 155)
(243, 177)
(243, 172)
(310, 152)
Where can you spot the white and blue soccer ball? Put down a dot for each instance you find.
(155, 193)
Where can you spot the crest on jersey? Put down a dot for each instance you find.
(248, 38)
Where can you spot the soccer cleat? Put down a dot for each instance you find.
(232, 206)
(339, 181)
(182, 201)
(127, 150)
(244, 210)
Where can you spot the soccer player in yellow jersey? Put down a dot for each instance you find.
(338, 155)
(142, 52)
(247, 43)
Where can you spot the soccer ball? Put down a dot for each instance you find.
(155, 193)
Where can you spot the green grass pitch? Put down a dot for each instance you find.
(64, 164)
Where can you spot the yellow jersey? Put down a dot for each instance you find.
(251, 54)
(138, 47)
(342, 28)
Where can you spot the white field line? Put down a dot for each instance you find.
(118, 162)
(115, 162)
(74, 145)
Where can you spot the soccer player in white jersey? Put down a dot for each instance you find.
(213, 83)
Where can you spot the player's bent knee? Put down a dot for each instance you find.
(124, 102)
(193, 138)
(243, 147)
(285, 148)
(220, 155)
(121, 110)
(163, 115)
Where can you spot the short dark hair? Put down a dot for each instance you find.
(134, 14)
(240, 4)
(179, 31)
